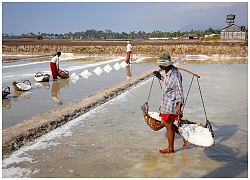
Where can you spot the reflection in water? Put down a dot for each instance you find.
(74, 77)
(25, 94)
(128, 71)
(163, 166)
(55, 90)
(40, 85)
(6, 104)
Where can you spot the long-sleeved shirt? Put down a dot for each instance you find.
(172, 91)
(55, 59)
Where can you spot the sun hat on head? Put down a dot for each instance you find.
(164, 56)
(128, 42)
(164, 60)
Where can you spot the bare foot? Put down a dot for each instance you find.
(166, 151)
(184, 143)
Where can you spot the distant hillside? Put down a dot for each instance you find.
(202, 27)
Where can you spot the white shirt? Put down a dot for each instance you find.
(55, 59)
(129, 47)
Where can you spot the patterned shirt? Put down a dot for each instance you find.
(172, 91)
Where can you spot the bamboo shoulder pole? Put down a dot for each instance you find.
(196, 75)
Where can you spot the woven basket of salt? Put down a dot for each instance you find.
(5, 92)
(194, 133)
(24, 86)
(40, 77)
(63, 74)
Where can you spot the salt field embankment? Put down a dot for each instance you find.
(118, 47)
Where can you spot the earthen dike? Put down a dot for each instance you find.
(233, 48)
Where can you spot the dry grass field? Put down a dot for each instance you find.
(119, 42)
(232, 48)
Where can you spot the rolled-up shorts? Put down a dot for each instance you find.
(166, 117)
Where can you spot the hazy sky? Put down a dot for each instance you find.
(64, 17)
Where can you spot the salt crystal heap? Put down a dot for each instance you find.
(40, 78)
(196, 135)
(23, 86)
(74, 77)
(107, 68)
(193, 133)
(123, 64)
(117, 66)
(98, 71)
(154, 115)
(85, 74)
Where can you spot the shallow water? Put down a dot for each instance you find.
(113, 140)
(46, 96)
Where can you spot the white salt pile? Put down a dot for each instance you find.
(196, 135)
(40, 78)
(193, 133)
(123, 64)
(85, 74)
(117, 66)
(154, 115)
(98, 71)
(107, 68)
(23, 86)
(74, 76)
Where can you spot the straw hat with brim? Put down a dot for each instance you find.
(164, 60)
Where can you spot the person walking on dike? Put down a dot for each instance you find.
(128, 52)
(54, 65)
(172, 99)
